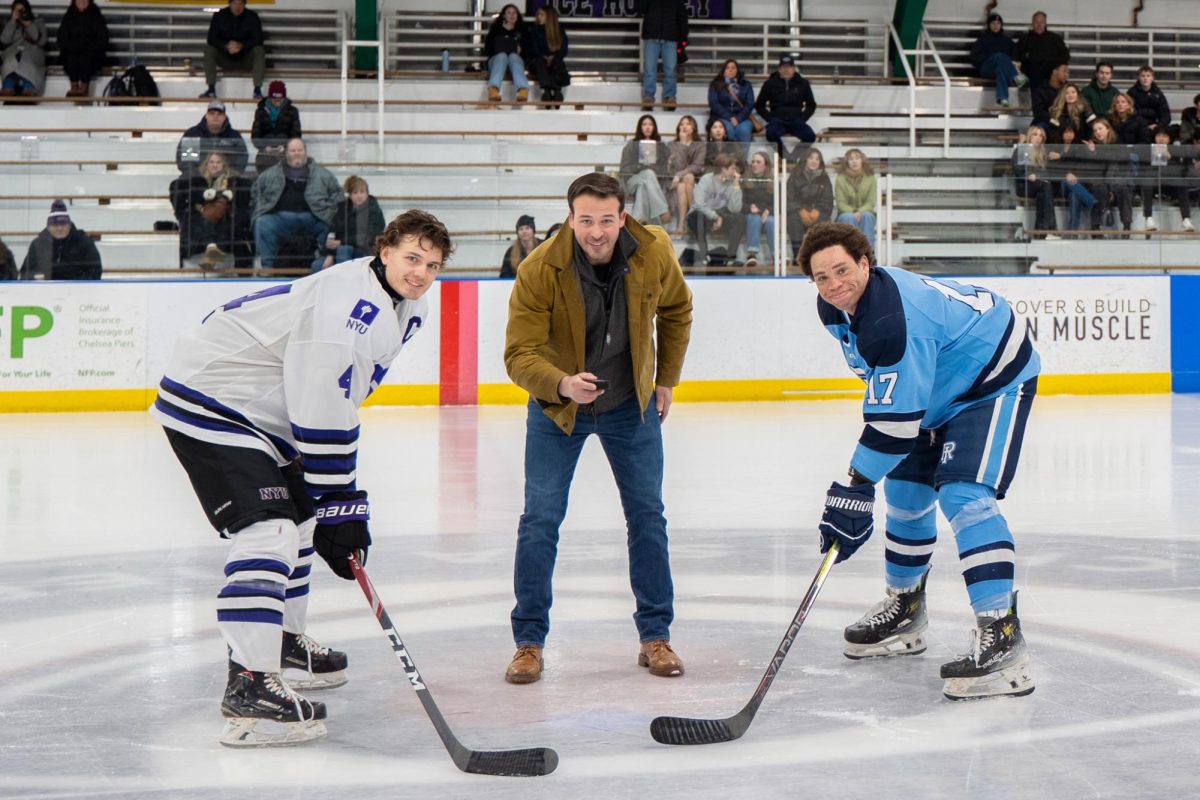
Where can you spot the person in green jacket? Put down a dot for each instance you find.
(1100, 92)
(854, 192)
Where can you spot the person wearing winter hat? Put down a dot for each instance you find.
(523, 246)
(993, 54)
(276, 120)
(61, 252)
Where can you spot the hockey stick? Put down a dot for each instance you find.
(683, 730)
(531, 761)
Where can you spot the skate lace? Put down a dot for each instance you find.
(981, 640)
(885, 610)
(310, 648)
(276, 685)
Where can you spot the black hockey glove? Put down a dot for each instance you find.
(849, 518)
(342, 530)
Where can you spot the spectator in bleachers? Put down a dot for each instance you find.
(1040, 51)
(82, 45)
(1189, 126)
(214, 132)
(22, 52)
(664, 26)
(809, 197)
(644, 171)
(212, 207)
(523, 246)
(294, 200)
(1069, 108)
(1149, 102)
(356, 225)
(1043, 96)
(993, 54)
(786, 102)
(552, 231)
(731, 100)
(1131, 130)
(505, 48)
(1110, 177)
(718, 142)
(61, 252)
(1031, 179)
(758, 204)
(235, 41)
(8, 264)
(854, 192)
(1066, 163)
(549, 54)
(685, 164)
(718, 208)
(1100, 91)
(1175, 165)
(276, 120)
(1125, 122)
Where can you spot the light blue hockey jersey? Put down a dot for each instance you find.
(926, 349)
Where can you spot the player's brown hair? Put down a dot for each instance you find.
(425, 227)
(831, 234)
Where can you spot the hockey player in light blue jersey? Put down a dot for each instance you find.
(260, 404)
(950, 376)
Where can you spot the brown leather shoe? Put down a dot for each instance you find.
(660, 658)
(526, 665)
(493, 94)
(522, 95)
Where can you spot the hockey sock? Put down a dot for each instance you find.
(985, 545)
(295, 609)
(911, 532)
(250, 606)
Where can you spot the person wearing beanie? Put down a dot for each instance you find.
(61, 252)
(993, 54)
(235, 41)
(786, 102)
(213, 132)
(523, 246)
(276, 120)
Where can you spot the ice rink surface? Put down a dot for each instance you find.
(112, 669)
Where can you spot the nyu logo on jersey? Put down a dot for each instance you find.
(948, 452)
(274, 493)
(362, 316)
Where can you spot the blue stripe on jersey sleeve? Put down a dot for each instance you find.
(324, 435)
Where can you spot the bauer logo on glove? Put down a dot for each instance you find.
(849, 518)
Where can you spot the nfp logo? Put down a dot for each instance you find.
(26, 322)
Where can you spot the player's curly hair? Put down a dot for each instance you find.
(831, 234)
(427, 229)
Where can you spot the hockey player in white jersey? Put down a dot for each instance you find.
(951, 375)
(260, 404)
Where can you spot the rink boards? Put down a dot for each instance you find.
(87, 346)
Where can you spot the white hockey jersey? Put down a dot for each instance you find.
(285, 369)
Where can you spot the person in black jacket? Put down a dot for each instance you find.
(235, 41)
(212, 207)
(809, 197)
(523, 246)
(61, 252)
(8, 264)
(1043, 96)
(357, 223)
(549, 54)
(506, 47)
(212, 133)
(276, 120)
(786, 102)
(1149, 102)
(993, 54)
(82, 45)
(1040, 51)
(664, 26)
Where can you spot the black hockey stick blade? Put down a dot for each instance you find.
(519, 763)
(685, 730)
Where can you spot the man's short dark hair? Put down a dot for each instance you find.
(1108, 64)
(831, 234)
(596, 184)
(425, 227)
(1145, 68)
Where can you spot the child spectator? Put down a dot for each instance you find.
(276, 120)
(731, 100)
(550, 53)
(854, 192)
(685, 165)
(235, 41)
(644, 171)
(82, 45)
(506, 46)
(358, 223)
(61, 252)
(22, 52)
(809, 197)
(523, 246)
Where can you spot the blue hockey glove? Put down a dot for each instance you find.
(849, 518)
(342, 530)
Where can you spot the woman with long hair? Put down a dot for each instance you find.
(212, 207)
(1031, 180)
(550, 53)
(644, 172)
(854, 192)
(505, 48)
(718, 143)
(1131, 130)
(685, 165)
(1109, 182)
(522, 247)
(731, 100)
(758, 203)
(1065, 164)
(1069, 106)
(809, 198)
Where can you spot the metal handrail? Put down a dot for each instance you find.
(380, 68)
(937, 59)
(921, 52)
(912, 86)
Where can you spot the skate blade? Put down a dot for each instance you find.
(302, 680)
(904, 644)
(1013, 681)
(248, 732)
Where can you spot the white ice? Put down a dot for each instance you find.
(111, 668)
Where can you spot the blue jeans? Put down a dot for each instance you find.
(1000, 67)
(740, 132)
(511, 62)
(16, 83)
(867, 226)
(777, 127)
(344, 252)
(633, 444)
(755, 226)
(652, 50)
(270, 228)
(1078, 198)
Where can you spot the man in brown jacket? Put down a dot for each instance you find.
(585, 312)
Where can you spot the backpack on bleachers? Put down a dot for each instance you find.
(133, 82)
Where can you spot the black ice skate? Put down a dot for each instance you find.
(263, 711)
(893, 627)
(997, 663)
(308, 665)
